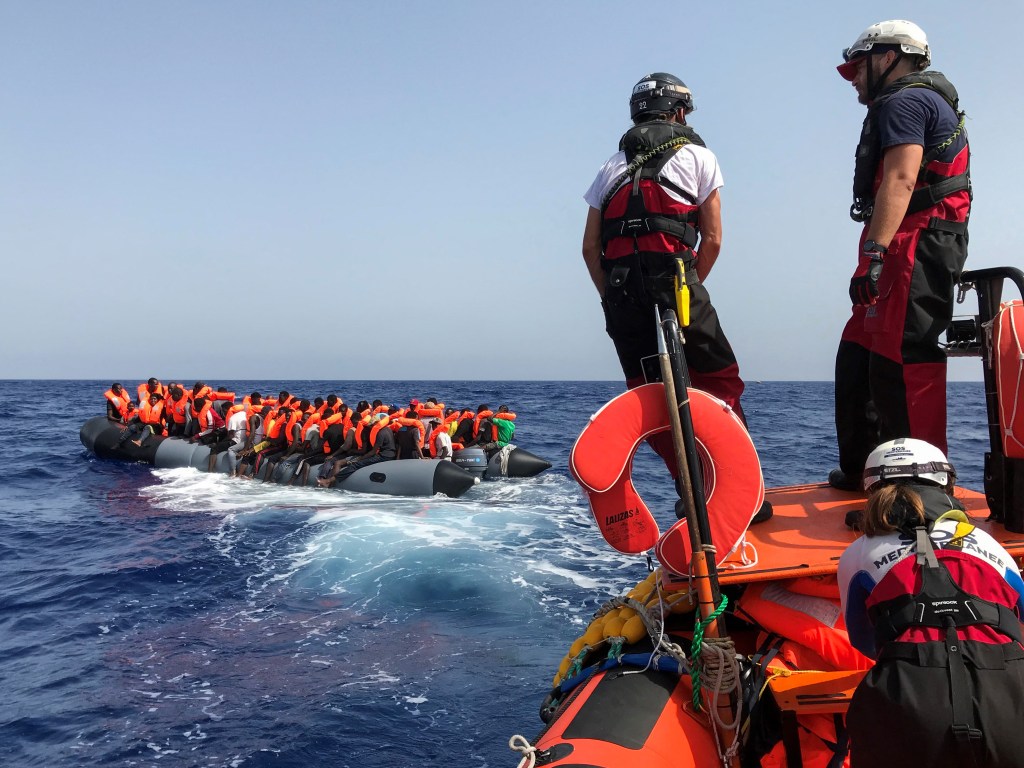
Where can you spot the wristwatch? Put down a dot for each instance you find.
(870, 246)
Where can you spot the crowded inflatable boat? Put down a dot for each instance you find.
(420, 449)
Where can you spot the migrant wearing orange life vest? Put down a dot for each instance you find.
(178, 409)
(330, 420)
(151, 413)
(309, 421)
(402, 421)
(344, 418)
(484, 414)
(378, 426)
(203, 390)
(361, 427)
(229, 396)
(144, 391)
(274, 424)
(203, 417)
(292, 427)
(442, 427)
(232, 410)
(120, 402)
(429, 412)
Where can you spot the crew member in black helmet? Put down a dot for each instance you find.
(653, 202)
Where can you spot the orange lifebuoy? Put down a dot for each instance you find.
(1008, 348)
(602, 460)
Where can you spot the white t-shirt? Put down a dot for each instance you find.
(443, 444)
(693, 168)
(237, 426)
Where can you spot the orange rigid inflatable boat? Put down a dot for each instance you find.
(767, 677)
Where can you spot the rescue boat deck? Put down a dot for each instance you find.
(808, 533)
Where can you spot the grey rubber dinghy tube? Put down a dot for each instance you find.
(403, 477)
(514, 463)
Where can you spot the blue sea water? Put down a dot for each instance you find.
(174, 618)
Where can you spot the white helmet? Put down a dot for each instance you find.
(908, 458)
(906, 34)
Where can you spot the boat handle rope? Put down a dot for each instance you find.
(519, 743)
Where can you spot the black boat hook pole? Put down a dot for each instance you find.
(691, 504)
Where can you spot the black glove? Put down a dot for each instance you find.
(864, 289)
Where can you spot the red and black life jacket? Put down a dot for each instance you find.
(940, 603)
(936, 180)
(638, 215)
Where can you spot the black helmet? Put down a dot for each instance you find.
(659, 92)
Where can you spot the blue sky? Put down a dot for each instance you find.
(351, 190)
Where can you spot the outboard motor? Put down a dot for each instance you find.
(472, 460)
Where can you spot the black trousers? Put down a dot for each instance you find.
(902, 715)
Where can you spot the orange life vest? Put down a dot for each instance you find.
(273, 426)
(243, 406)
(813, 622)
(229, 396)
(151, 414)
(178, 409)
(202, 417)
(120, 402)
(360, 429)
(289, 431)
(485, 414)
(433, 437)
(377, 427)
(204, 392)
(334, 418)
(144, 392)
(401, 421)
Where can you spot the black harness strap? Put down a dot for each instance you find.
(944, 225)
(965, 727)
(927, 196)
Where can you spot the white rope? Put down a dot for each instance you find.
(503, 455)
(732, 675)
(529, 752)
(746, 561)
(655, 627)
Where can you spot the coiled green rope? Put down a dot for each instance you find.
(695, 649)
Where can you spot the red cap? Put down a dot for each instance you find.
(414, 402)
